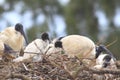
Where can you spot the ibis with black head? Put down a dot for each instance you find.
(79, 46)
(35, 49)
(14, 37)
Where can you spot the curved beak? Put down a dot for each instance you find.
(25, 37)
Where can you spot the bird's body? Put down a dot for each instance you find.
(105, 61)
(34, 49)
(80, 46)
(12, 38)
(39, 47)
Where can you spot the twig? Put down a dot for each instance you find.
(25, 67)
(112, 42)
(38, 47)
(104, 71)
(115, 72)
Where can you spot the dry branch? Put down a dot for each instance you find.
(102, 71)
(19, 76)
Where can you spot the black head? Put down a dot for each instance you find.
(45, 36)
(58, 44)
(105, 64)
(106, 60)
(19, 28)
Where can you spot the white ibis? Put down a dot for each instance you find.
(14, 37)
(35, 48)
(79, 46)
(104, 58)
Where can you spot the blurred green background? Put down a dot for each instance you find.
(97, 19)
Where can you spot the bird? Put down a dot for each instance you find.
(53, 47)
(79, 46)
(105, 61)
(104, 58)
(14, 37)
(35, 49)
(100, 49)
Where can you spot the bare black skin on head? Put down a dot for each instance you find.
(58, 44)
(45, 36)
(19, 28)
(105, 64)
(106, 60)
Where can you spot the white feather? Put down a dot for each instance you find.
(37, 46)
(12, 38)
(100, 62)
(80, 46)
(1, 48)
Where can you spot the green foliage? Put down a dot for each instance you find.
(35, 31)
(115, 48)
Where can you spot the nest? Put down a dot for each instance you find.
(59, 68)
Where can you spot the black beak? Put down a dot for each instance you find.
(23, 33)
(19, 27)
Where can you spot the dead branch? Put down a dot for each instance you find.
(103, 71)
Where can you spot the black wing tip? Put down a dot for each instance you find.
(7, 48)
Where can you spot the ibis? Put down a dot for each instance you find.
(14, 37)
(79, 46)
(35, 48)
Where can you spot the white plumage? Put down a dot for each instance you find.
(34, 50)
(2, 47)
(105, 61)
(40, 47)
(14, 37)
(80, 46)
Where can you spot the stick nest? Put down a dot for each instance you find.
(61, 68)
